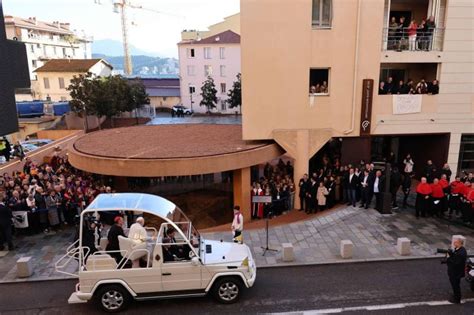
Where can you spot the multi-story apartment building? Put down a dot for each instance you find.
(289, 48)
(231, 22)
(217, 56)
(45, 40)
(55, 76)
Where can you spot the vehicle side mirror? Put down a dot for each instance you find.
(195, 261)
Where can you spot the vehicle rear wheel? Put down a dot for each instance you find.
(112, 298)
(227, 290)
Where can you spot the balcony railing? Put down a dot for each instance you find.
(397, 39)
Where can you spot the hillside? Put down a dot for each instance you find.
(144, 65)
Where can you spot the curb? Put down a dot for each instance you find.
(351, 261)
(337, 262)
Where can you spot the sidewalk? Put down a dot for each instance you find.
(315, 240)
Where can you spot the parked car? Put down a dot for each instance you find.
(175, 260)
(186, 111)
(31, 145)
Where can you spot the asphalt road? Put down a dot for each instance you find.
(280, 290)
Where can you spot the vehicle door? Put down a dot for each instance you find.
(181, 275)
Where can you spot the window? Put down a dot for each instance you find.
(466, 153)
(64, 52)
(34, 63)
(222, 52)
(54, 50)
(32, 48)
(191, 70)
(207, 70)
(223, 88)
(61, 83)
(223, 104)
(222, 71)
(207, 52)
(46, 83)
(322, 13)
(192, 89)
(38, 45)
(319, 81)
(190, 53)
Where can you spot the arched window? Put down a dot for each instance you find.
(322, 13)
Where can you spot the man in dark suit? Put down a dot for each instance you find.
(303, 185)
(5, 225)
(311, 196)
(456, 262)
(352, 184)
(366, 189)
(430, 171)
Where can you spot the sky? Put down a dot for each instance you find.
(152, 32)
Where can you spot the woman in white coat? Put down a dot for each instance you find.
(321, 196)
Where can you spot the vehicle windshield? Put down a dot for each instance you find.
(155, 208)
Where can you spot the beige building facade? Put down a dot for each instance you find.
(343, 43)
(55, 76)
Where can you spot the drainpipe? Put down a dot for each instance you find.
(356, 64)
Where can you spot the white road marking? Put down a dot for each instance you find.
(371, 307)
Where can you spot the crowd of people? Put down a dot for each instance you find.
(409, 35)
(362, 183)
(319, 88)
(437, 195)
(43, 198)
(400, 87)
(278, 183)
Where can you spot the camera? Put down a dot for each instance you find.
(447, 252)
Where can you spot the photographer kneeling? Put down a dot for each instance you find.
(456, 261)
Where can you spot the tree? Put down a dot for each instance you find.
(137, 96)
(235, 94)
(209, 94)
(105, 96)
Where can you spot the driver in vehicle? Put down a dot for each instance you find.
(174, 252)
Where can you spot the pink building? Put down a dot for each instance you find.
(217, 56)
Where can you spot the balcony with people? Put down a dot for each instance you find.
(407, 89)
(413, 26)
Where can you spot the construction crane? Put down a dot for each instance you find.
(121, 6)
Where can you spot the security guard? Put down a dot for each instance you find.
(456, 261)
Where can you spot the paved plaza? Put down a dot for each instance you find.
(315, 241)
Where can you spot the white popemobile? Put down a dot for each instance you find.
(196, 267)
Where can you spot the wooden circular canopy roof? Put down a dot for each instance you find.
(169, 150)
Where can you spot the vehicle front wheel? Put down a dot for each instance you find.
(227, 290)
(112, 298)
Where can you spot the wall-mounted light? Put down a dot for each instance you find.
(432, 120)
(382, 121)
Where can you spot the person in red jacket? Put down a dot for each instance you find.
(423, 193)
(454, 197)
(467, 202)
(437, 198)
(444, 182)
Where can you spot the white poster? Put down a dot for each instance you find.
(20, 219)
(406, 104)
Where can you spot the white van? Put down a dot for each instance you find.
(220, 268)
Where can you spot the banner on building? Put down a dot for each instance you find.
(406, 104)
(366, 108)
